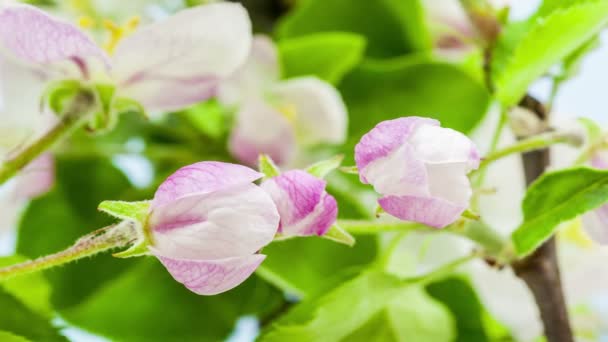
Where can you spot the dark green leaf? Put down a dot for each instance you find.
(328, 56)
(391, 27)
(555, 198)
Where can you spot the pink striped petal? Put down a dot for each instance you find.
(31, 36)
(236, 221)
(202, 178)
(386, 137)
(432, 211)
(211, 277)
(304, 206)
(179, 61)
(261, 129)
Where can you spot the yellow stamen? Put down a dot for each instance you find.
(574, 232)
(85, 22)
(289, 112)
(116, 32)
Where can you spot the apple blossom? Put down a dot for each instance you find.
(163, 66)
(207, 223)
(275, 117)
(419, 168)
(304, 206)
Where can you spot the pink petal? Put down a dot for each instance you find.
(235, 221)
(32, 36)
(260, 128)
(304, 206)
(434, 212)
(202, 178)
(386, 137)
(260, 72)
(210, 277)
(321, 115)
(178, 62)
(37, 177)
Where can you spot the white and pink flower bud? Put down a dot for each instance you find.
(596, 222)
(207, 223)
(419, 168)
(304, 206)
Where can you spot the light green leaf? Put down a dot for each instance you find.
(324, 167)
(9, 337)
(345, 313)
(267, 166)
(527, 50)
(328, 56)
(137, 211)
(555, 198)
(391, 27)
(208, 118)
(33, 290)
(339, 235)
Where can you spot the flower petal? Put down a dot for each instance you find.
(235, 221)
(436, 144)
(596, 224)
(30, 35)
(258, 74)
(303, 204)
(210, 277)
(37, 177)
(178, 62)
(202, 178)
(386, 137)
(434, 212)
(261, 129)
(321, 115)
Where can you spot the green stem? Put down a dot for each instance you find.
(74, 116)
(533, 143)
(481, 175)
(441, 272)
(114, 236)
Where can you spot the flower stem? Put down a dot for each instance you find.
(114, 236)
(533, 143)
(73, 117)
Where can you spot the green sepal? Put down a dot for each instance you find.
(351, 170)
(122, 105)
(105, 119)
(339, 235)
(59, 94)
(135, 211)
(324, 167)
(268, 167)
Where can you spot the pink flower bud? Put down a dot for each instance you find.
(419, 168)
(207, 223)
(304, 206)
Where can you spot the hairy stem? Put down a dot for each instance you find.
(74, 116)
(540, 271)
(115, 236)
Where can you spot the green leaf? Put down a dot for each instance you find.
(18, 319)
(473, 322)
(208, 118)
(383, 90)
(268, 167)
(555, 198)
(137, 211)
(328, 56)
(374, 298)
(33, 290)
(412, 315)
(527, 50)
(54, 221)
(391, 27)
(324, 167)
(306, 266)
(147, 304)
(9, 337)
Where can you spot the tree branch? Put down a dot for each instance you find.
(540, 271)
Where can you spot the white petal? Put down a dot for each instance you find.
(436, 144)
(255, 77)
(233, 222)
(450, 182)
(177, 62)
(321, 115)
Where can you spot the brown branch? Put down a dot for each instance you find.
(540, 271)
